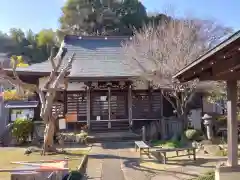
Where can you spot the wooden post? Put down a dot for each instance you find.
(162, 121)
(130, 105)
(232, 123)
(88, 107)
(109, 107)
(83, 165)
(161, 102)
(65, 106)
(144, 133)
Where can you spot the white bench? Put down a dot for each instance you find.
(141, 145)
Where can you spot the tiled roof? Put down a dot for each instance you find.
(94, 57)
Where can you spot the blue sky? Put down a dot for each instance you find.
(39, 14)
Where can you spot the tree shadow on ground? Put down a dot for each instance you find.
(192, 170)
(200, 162)
(134, 163)
(172, 172)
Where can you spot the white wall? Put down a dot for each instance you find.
(196, 118)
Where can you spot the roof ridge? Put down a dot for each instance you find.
(75, 37)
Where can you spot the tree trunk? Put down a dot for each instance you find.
(48, 145)
(185, 121)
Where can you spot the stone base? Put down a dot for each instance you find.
(227, 173)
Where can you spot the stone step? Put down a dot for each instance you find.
(115, 139)
(102, 126)
(113, 136)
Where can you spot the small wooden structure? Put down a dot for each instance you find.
(221, 63)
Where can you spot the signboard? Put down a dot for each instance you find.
(62, 124)
(98, 118)
(143, 85)
(22, 113)
(71, 117)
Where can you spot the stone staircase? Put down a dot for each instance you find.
(114, 136)
(105, 126)
(101, 131)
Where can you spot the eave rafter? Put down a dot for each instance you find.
(217, 67)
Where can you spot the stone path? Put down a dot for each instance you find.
(109, 161)
(119, 161)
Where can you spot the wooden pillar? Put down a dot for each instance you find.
(65, 99)
(88, 107)
(144, 134)
(161, 102)
(109, 107)
(130, 105)
(65, 103)
(232, 123)
(163, 126)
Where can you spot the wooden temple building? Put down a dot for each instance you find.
(102, 91)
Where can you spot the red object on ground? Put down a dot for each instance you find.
(59, 164)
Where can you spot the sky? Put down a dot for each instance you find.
(44, 14)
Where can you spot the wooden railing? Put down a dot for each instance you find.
(172, 126)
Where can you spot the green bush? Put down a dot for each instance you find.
(223, 152)
(208, 176)
(192, 134)
(172, 144)
(21, 129)
(221, 118)
(166, 144)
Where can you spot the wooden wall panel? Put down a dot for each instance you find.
(99, 105)
(146, 105)
(77, 104)
(119, 108)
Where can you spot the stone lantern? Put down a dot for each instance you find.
(208, 122)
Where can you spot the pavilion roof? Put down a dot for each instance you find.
(216, 61)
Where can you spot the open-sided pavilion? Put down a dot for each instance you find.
(221, 63)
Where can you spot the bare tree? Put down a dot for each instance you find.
(158, 52)
(46, 94)
(218, 95)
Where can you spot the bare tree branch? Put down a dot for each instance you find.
(158, 52)
(55, 83)
(169, 100)
(51, 59)
(51, 87)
